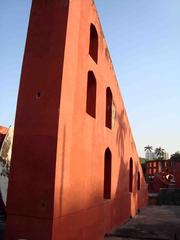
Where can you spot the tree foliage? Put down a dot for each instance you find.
(175, 156)
(159, 153)
(148, 148)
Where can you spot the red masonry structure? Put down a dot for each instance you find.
(163, 174)
(75, 171)
(3, 132)
(177, 174)
(156, 166)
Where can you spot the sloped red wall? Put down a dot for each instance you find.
(56, 188)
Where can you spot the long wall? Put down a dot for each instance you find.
(75, 170)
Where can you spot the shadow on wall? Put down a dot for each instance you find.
(105, 214)
(124, 203)
(122, 190)
(125, 142)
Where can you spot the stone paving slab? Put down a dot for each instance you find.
(120, 238)
(153, 223)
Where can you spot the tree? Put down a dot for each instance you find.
(148, 148)
(175, 156)
(159, 153)
(143, 164)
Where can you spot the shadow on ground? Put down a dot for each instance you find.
(2, 227)
(154, 223)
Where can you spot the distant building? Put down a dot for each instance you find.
(5, 159)
(3, 131)
(166, 156)
(149, 155)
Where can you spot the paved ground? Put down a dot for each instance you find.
(154, 223)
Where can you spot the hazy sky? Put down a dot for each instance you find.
(144, 41)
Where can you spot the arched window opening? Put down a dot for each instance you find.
(138, 183)
(91, 95)
(130, 175)
(107, 174)
(93, 46)
(109, 108)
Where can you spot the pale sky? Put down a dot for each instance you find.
(144, 42)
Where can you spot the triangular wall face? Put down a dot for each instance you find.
(75, 171)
